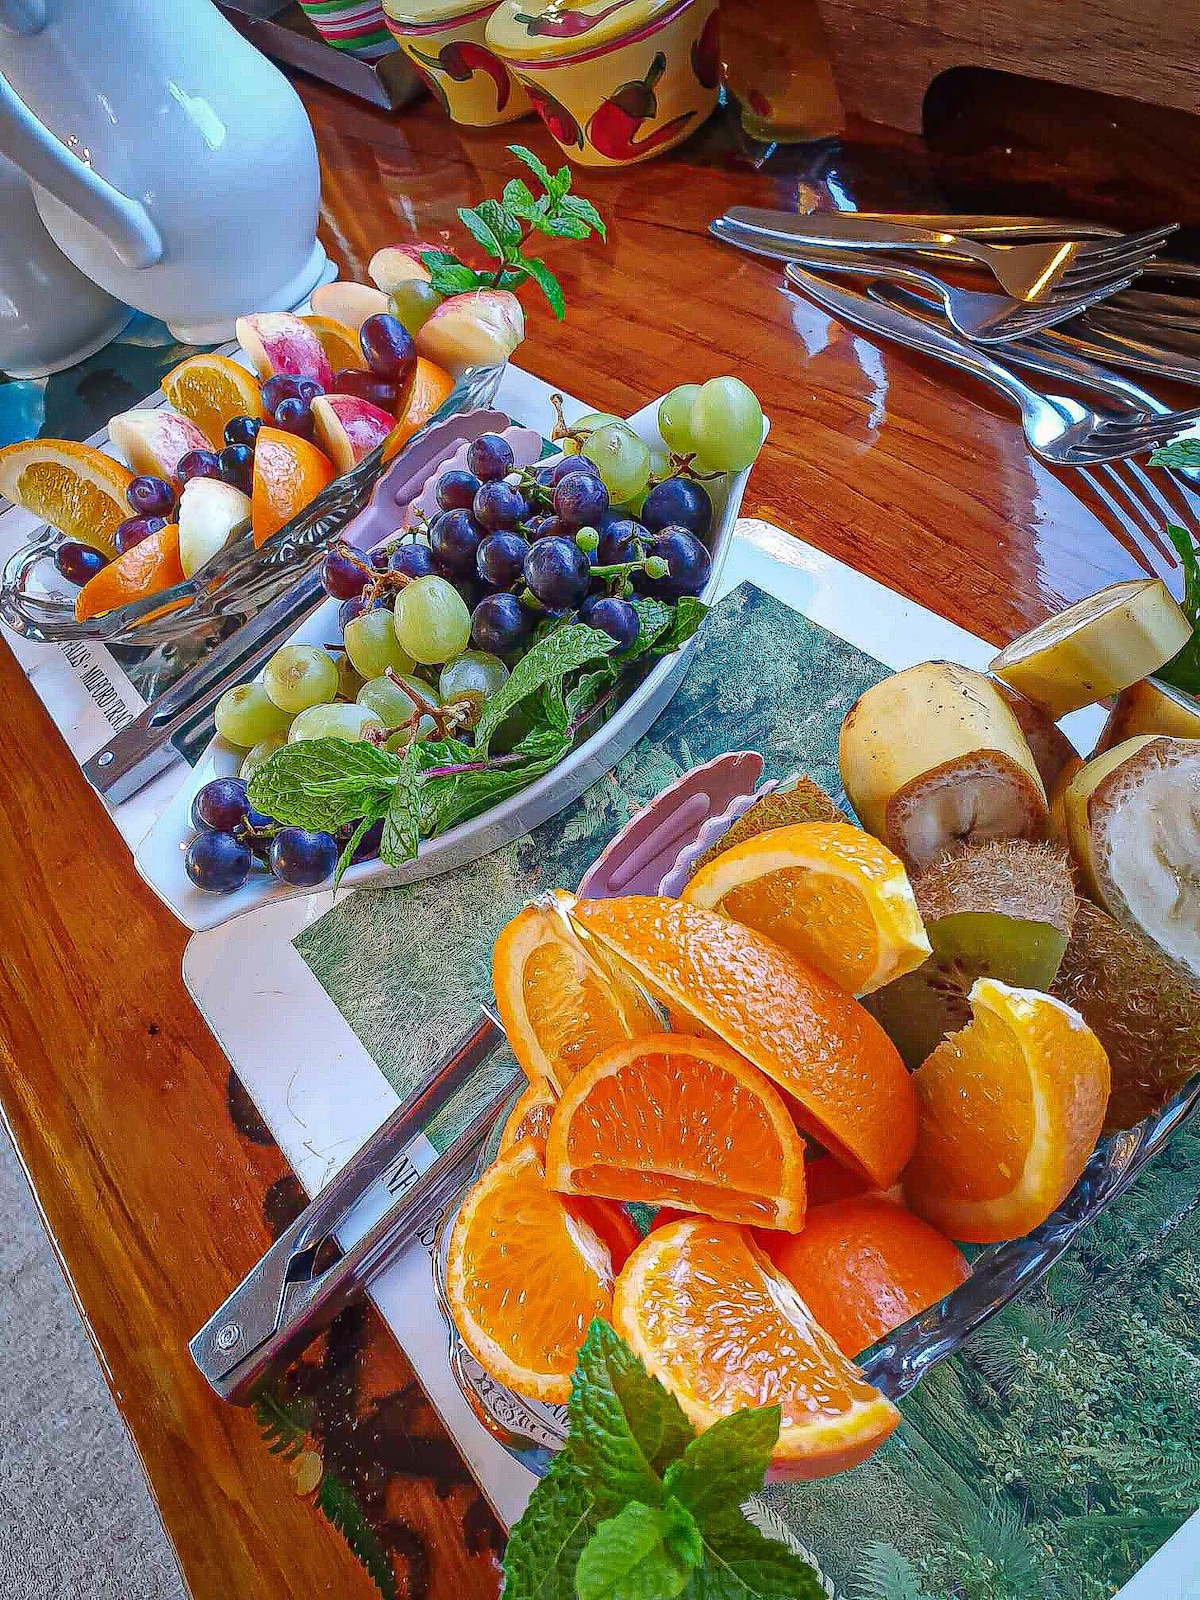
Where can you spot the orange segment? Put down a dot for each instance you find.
(148, 568)
(74, 487)
(289, 472)
(1010, 1110)
(864, 1266)
(673, 1120)
(723, 1330)
(338, 340)
(211, 390)
(431, 388)
(827, 1180)
(525, 1276)
(849, 1085)
(530, 1117)
(560, 1003)
(831, 894)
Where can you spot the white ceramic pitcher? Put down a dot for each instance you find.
(171, 162)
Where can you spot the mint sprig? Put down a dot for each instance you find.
(1183, 670)
(503, 229)
(636, 1507)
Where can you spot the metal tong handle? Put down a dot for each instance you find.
(290, 1295)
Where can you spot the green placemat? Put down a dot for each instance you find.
(1056, 1454)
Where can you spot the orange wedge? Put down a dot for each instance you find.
(673, 1120)
(146, 569)
(723, 1330)
(864, 1266)
(831, 894)
(289, 472)
(431, 388)
(74, 487)
(338, 340)
(848, 1086)
(1010, 1111)
(530, 1117)
(524, 1277)
(211, 390)
(560, 1002)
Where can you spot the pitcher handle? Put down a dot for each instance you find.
(124, 222)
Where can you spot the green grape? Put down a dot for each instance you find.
(675, 418)
(425, 725)
(388, 700)
(413, 303)
(431, 620)
(372, 646)
(247, 714)
(350, 680)
(727, 424)
(258, 753)
(622, 458)
(299, 676)
(338, 721)
(473, 677)
(660, 467)
(593, 419)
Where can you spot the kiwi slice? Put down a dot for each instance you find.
(799, 800)
(1142, 1009)
(1001, 910)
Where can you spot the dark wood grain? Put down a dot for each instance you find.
(156, 1184)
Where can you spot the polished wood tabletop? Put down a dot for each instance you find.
(156, 1182)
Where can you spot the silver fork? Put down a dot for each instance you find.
(1029, 272)
(985, 318)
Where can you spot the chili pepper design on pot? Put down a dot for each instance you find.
(613, 125)
(461, 60)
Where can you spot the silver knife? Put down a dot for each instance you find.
(976, 225)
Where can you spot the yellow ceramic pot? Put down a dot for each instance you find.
(615, 81)
(445, 41)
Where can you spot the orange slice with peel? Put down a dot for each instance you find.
(147, 568)
(830, 893)
(530, 1117)
(338, 340)
(1010, 1111)
(431, 388)
(561, 1002)
(723, 1329)
(289, 473)
(669, 1119)
(74, 487)
(525, 1275)
(846, 1083)
(211, 390)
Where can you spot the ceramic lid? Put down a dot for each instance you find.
(540, 30)
(436, 13)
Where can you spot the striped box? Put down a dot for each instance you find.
(356, 26)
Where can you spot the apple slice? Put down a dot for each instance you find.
(349, 428)
(398, 263)
(210, 514)
(349, 303)
(277, 341)
(479, 329)
(154, 442)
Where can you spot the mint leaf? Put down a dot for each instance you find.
(724, 1467)
(565, 649)
(628, 1557)
(446, 801)
(346, 859)
(1183, 670)
(625, 1426)
(574, 205)
(458, 279)
(439, 258)
(545, 1545)
(747, 1566)
(401, 830)
(1179, 453)
(535, 164)
(547, 283)
(689, 614)
(321, 784)
(507, 229)
(564, 227)
(559, 184)
(654, 619)
(518, 195)
(481, 231)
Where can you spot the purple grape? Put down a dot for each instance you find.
(544, 477)
(678, 503)
(454, 538)
(380, 559)
(620, 541)
(498, 505)
(280, 386)
(490, 457)
(349, 609)
(557, 572)
(388, 348)
(295, 416)
(78, 562)
(500, 559)
(343, 574)
(580, 499)
(470, 590)
(617, 618)
(302, 858)
(568, 464)
(217, 862)
(242, 430)
(151, 497)
(308, 389)
(456, 489)
(235, 465)
(532, 526)
(412, 558)
(197, 464)
(220, 806)
(366, 386)
(688, 564)
(499, 624)
(551, 528)
(368, 846)
(134, 529)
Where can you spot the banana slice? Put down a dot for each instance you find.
(1049, 746)
(933, 758)
(1095, 648)
(1150, 707)
(1133, 822)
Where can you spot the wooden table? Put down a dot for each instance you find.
(157, 1183)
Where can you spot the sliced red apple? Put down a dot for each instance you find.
(155, 441)
(349, 303)
(277, 341)
(349, 428)
(479, 329)
(210, 514)
(398, 263)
